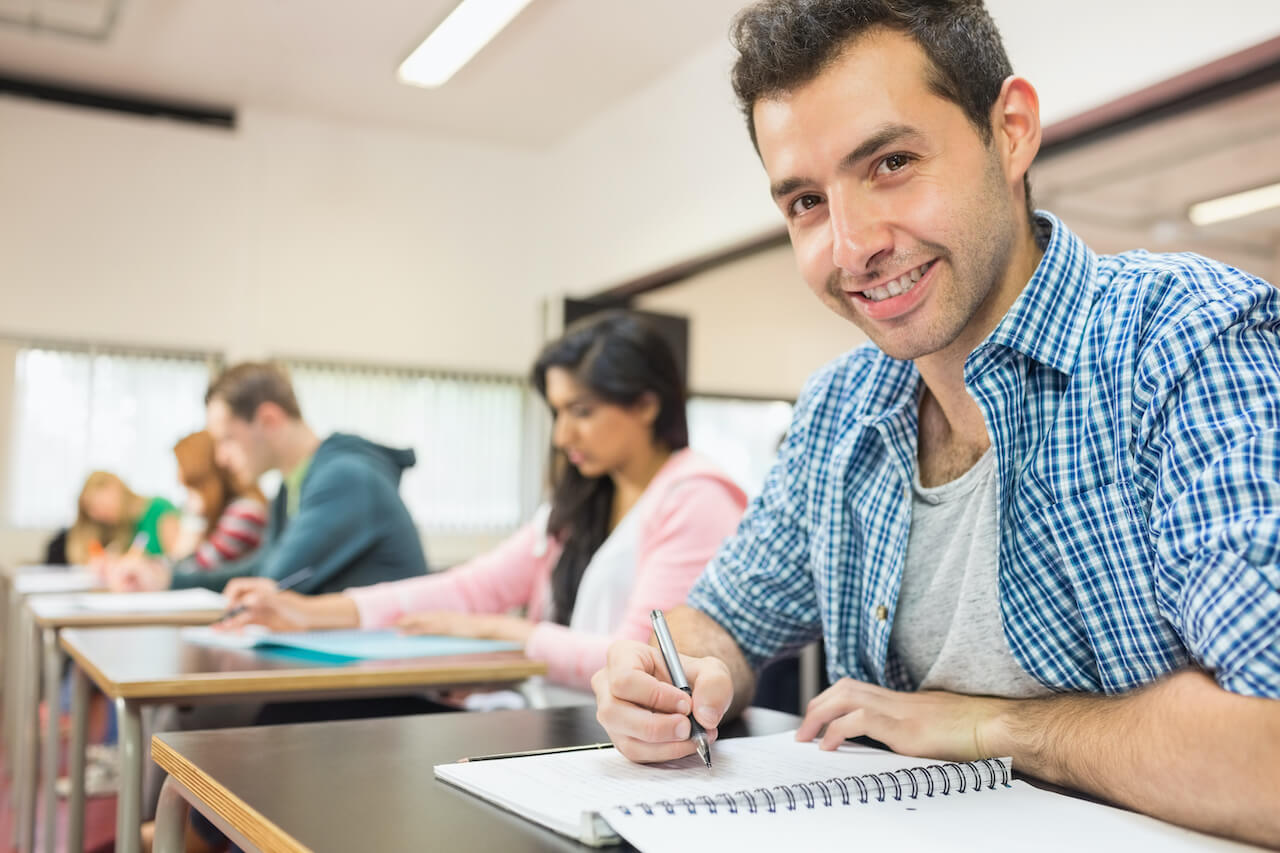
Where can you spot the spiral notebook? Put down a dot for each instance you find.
(773, 794)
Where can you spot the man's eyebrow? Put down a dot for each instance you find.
(884, 135)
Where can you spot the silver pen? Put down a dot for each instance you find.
(676, 671)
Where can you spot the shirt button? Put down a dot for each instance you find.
(882, 613)
(933, 499)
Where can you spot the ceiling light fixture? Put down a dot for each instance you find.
(1235, 205)
(458, 38)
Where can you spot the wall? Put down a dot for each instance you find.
(287, 236)
(284, 236)
(755, 328)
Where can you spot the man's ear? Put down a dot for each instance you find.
(269, 415)
(1015, 124)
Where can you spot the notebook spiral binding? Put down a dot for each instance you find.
(910, 782)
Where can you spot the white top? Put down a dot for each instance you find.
(947, 629)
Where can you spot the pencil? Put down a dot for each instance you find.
(529, 752)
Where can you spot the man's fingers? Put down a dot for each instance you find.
(628, 720)
(853, 724)
(648, 753)
(841, 698)
(644, 690)
(712, 689)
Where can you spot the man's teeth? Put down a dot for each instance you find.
(898, 286)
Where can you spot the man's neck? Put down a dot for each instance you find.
(943, 371)
(297, 444)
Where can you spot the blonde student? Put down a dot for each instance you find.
(633, 518)
(112, 515)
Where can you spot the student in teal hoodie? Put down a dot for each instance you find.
(337, 521)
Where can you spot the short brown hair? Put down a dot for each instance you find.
(783, 44)
(248, 385)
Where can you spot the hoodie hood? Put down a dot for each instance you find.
(390, 461)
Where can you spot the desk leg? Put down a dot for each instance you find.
(52, 671)
(13, 667)
(129, 800)
(75, 761)
(28, 736)
(171, 819)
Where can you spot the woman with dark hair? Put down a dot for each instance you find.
(634, 517)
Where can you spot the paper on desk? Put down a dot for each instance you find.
(170, 601)
(353, 645)
(55, 581)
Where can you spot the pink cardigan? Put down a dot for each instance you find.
(690, 507)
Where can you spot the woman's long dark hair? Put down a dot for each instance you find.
(619, 358)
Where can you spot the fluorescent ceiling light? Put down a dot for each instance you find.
(458, 38)
(1235, 206)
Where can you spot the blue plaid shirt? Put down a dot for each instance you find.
(1133, 402)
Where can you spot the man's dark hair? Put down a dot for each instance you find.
(784, 44)
(248, 385)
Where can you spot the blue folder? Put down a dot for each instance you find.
(380, 645)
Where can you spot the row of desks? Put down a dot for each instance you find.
(137, 666)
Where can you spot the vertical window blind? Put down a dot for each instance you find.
(76, 411)
(465, 430)
(740, 435)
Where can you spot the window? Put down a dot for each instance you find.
(740, 435)
(76, 411)
(466, 431)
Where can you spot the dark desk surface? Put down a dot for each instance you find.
(368, 784)
(157, 664)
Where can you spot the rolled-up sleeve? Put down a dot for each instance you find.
(1216, 509)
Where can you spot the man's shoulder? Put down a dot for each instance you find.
(1165, 292)
(1154, 315)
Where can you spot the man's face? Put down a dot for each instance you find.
(900, 215)
(238, 445)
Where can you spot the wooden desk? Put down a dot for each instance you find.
(367, 784)
(138, 666)
(49, 614)
(22, 681)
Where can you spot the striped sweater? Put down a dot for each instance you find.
(237, 534)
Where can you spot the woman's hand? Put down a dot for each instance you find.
(136, 574)
(256, 601)
(480, 625)
(238, 590)
(279, 611)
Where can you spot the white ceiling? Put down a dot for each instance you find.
(558, 64)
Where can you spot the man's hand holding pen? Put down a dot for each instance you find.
(646, 716)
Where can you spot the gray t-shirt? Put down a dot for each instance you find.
(947, 632)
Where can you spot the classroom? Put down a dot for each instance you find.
(553, 424)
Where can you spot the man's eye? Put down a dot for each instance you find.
(805, 202)
(895, 162)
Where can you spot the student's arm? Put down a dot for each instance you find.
(1200, 747)
(187, 575)
(491, 583)
(169, 530)
(494, 582)
(681, 536)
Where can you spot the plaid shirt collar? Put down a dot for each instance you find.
(1046, 323)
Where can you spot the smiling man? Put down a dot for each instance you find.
(1039, 515)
